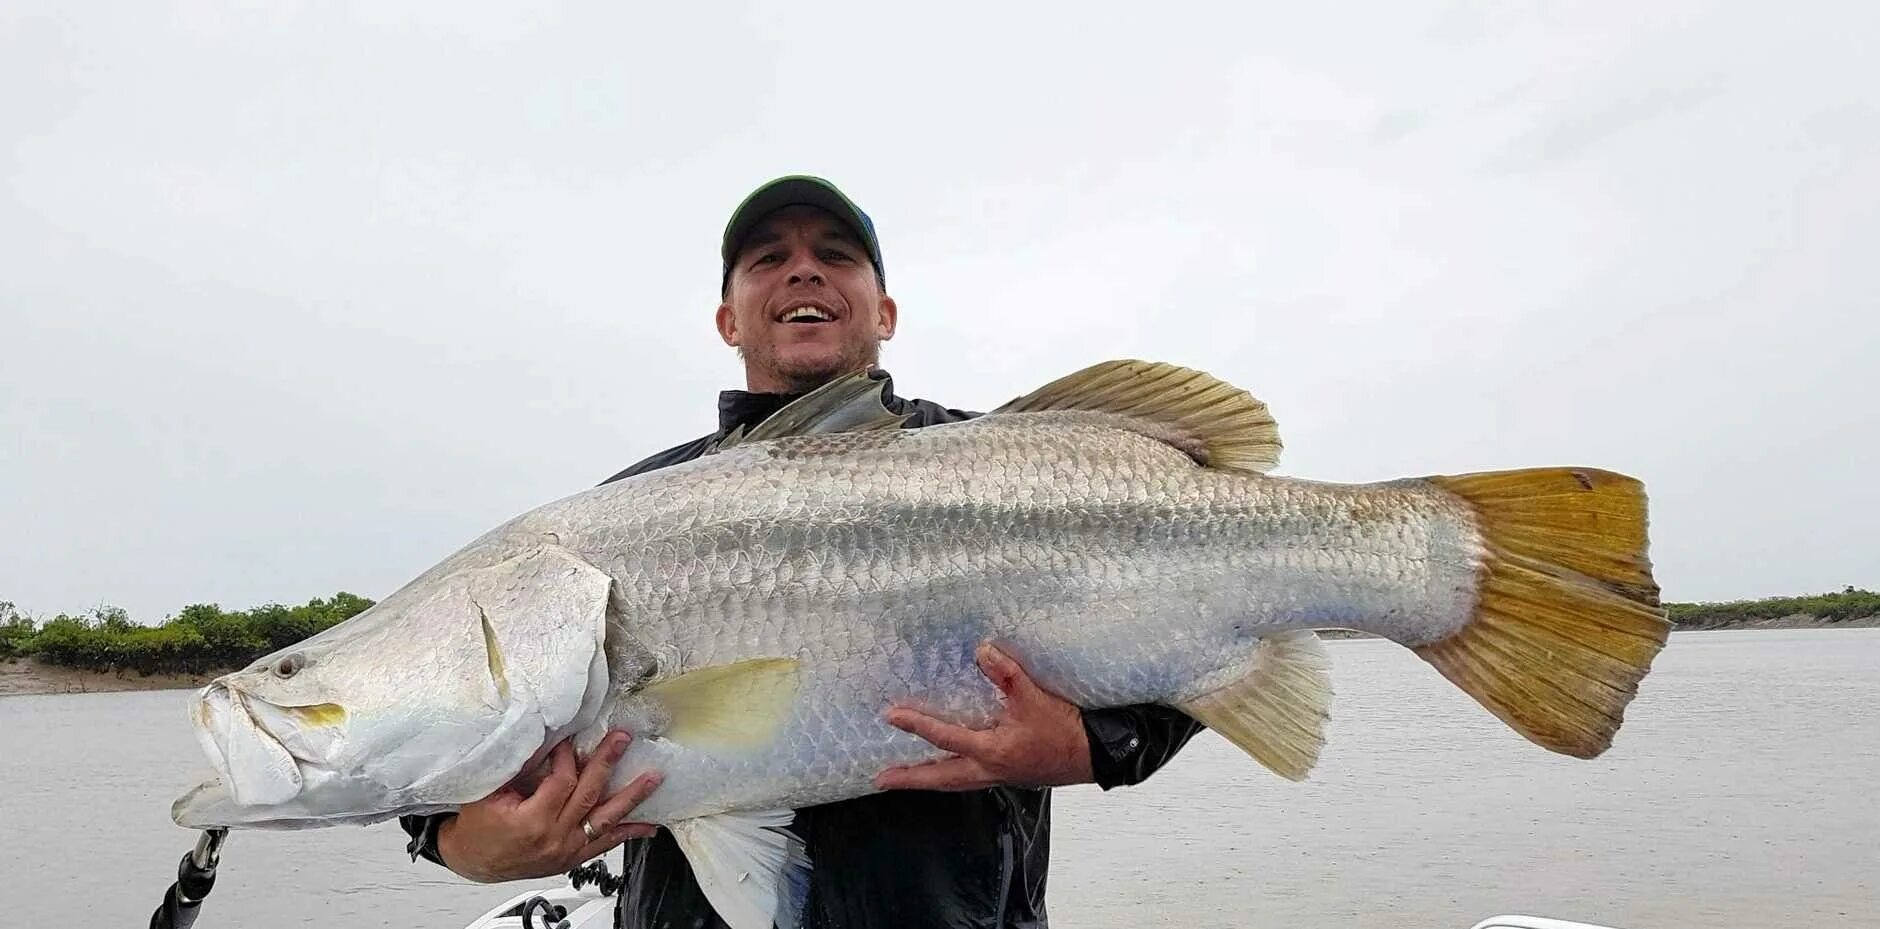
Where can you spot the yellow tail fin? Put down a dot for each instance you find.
(1567, 620)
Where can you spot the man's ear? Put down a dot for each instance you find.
(885, 318)
(727, 325)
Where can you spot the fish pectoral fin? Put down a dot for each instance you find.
(847, 404)
(1213, 422)
(752, 870)
(736, 706)
(1277, 710)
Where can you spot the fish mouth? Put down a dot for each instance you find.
(259, 749)
(212, 805)
(208, 805)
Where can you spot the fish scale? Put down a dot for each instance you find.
(911, 547)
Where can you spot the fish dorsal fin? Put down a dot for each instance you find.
(1217, 424)
(851, 403)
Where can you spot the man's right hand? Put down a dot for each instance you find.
(508, 836)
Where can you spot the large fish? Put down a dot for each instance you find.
(751, 615)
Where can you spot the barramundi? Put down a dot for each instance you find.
(751, 615)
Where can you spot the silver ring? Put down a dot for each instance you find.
(588, 830)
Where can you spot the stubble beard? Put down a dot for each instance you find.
(804, 376)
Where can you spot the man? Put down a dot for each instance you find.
(958, 842)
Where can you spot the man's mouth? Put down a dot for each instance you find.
(806, 315)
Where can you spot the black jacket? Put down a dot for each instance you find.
(900, 858)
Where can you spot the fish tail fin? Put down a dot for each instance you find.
(1567, 619)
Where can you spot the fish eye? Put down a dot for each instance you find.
(289, 665)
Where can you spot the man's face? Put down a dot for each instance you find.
(803, 305)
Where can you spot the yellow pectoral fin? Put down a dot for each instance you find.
(737, 706)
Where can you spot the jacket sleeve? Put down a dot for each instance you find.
(423, 832)
(1129, 743)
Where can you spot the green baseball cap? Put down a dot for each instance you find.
(794, 190)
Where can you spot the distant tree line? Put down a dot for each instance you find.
(204, 637)
(1851, 603)
(200, 639)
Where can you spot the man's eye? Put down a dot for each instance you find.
(761, 259)
(836, 256)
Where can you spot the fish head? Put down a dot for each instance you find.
(432, 699)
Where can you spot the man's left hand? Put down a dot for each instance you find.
(1038, 739)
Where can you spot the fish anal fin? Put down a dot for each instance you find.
(1277, 709)
(851, 403)
(752, 871)
(1214, 422)
(736, 706)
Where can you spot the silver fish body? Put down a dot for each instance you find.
(1114, 569)
(750, 616)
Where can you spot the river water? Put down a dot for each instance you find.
(1740, 794)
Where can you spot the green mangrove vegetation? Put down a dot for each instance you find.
(201, 638)
(1851, 603)
(204, 638)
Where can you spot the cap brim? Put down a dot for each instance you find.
(796, 190)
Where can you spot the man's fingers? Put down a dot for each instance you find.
(609, 819)
(1001, 670)
(560, 781)
(505, 798)
(619, 808)
(611, 840)
(956, 739)
(946, 774)
(593, 780)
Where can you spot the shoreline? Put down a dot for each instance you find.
(25, 677)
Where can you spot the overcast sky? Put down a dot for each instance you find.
(297, 298)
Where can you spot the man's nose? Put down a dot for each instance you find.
(804, 270)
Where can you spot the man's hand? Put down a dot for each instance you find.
(508, 836)
(1037, 741)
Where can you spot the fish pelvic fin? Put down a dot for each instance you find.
(753, 872)
(1277, 710)
(1214, 422)
(736, 706)
(851, 403)
(1567, 619)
